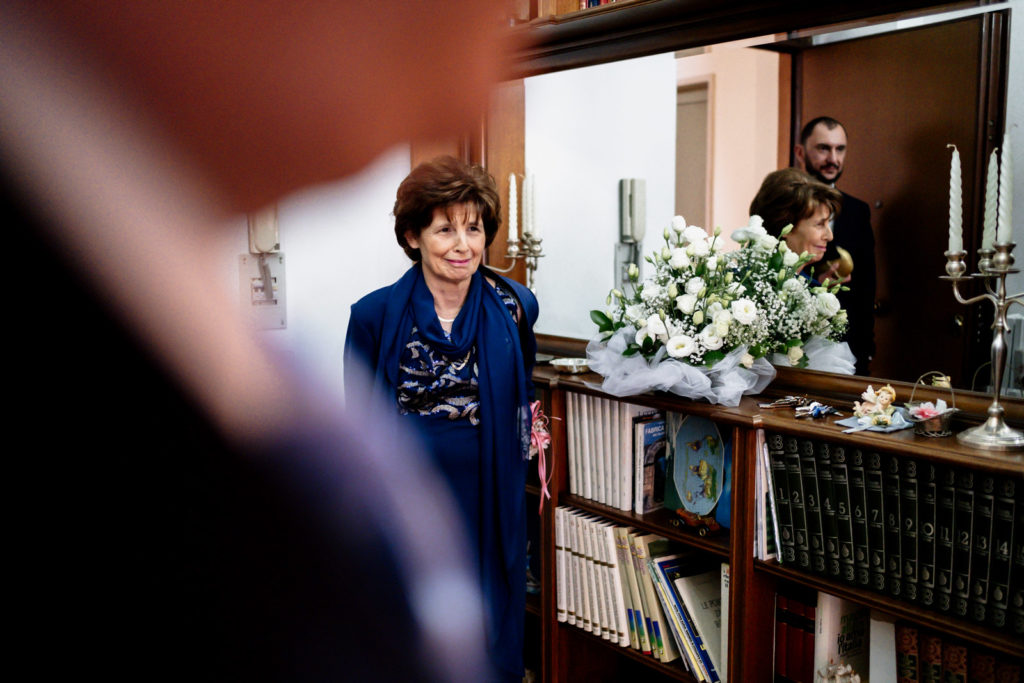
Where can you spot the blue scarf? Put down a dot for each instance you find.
(505, 422)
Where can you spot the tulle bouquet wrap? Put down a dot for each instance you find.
(707, 322)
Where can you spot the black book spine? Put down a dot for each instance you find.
(963, 527)
(944, 539)
(843, 516)
(1003, 511)
(780, 481)
(796, 503)
(859, 511)
(812, 504)
(1016, 614)
(874, 489)
(893, 525)
(910, 528)
(926, 501)
(827, 501)
(981, 557)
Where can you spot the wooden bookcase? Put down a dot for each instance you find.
(565, 653)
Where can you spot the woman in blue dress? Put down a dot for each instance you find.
(791, 197)
(450, 345)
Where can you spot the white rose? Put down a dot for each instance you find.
(794, 354)
(827, 303)
(679, 224)
(694, 285)
(680, 346)
(710, 338)
(747, 361)
(693, 233)
(651, 291)
(679, 259)
(744, 310)
(789, 258)
(656, 327)
(686, 303)
(635, 313)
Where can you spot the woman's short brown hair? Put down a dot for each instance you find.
(788, 195)
(440, 183)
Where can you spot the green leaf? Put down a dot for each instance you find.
(601, 319)
(790, 343)
(712, 357)
(631, 350)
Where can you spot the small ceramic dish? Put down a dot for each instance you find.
(572, 366)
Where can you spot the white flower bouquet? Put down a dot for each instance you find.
(704, 323)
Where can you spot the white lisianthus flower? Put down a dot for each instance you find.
(710, 339)
(699, 248)
(827, 303)
(674, 330)
(793, 284)
(734, 288)
(698, 317)
(693, 233)
(721, 314)
(722, 328)
(789, 258)
(794, 354)
(641, 334)
(754, 230)
(636, 313)
(747, 361)
(694, 285)
(713, 309)
(841, 316)
(680, 346)
(712, 262)
(679, 224)
(744, 310)
(656, 327)
(679, 259)
(686, 303)
(651, 291)
(767, 242)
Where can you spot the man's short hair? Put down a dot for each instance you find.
(829, 122)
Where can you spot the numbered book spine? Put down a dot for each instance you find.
(827, 502)
(944, 535)
(874, 489)
(981, 558)
(1003, 512)
(812, 504)
(796, 503)
(909, 527)
(780, 482)
(859, 513)
(893, 525)
(963, 527)
(926, 528)
(844, 513)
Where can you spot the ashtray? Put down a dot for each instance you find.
(573, 366)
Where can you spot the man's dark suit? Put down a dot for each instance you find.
(852, 231)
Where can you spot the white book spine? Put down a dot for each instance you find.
(597, 482)
(585, 460)
(577, 572)
(598, 608)
(611, 624)
(724, 670)
(584, 576)
(561, 595)
(611, 488)
(638, 630)
(616, 588)
(572, 417)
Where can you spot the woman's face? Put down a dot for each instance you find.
(811, 234)
(451, 248)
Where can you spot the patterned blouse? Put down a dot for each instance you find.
(431, 383)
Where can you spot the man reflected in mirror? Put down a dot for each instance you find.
(822, 153)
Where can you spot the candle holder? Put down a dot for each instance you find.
(993, 266)
(530, 252)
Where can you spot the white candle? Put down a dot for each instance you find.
(530, 179)
(1005, 226)
(513, 210)
(955, 204)
(988, 235)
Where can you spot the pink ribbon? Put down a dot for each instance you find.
(540, 439)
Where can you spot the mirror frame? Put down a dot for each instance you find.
(636, 28)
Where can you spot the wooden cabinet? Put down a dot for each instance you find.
(565, 653)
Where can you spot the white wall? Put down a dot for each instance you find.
(571, 117)
(339, 244)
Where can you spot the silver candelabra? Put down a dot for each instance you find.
(530, 251)
(993, 267)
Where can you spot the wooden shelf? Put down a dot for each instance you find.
(673, 670)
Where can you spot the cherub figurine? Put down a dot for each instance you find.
(876, 403)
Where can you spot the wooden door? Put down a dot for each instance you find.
(902, 98)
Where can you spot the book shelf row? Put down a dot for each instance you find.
(642, 591)
(946, 538)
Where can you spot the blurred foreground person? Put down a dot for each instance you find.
(182, 505)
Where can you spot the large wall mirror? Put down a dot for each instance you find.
(704, 124)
